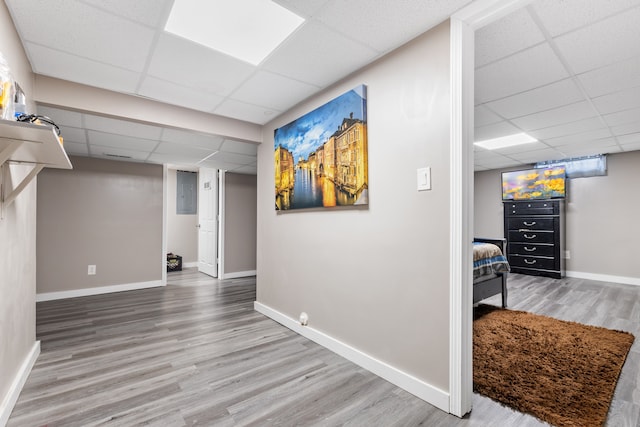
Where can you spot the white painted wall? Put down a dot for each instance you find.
(374, 278)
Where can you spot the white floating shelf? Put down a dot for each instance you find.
(31, 144)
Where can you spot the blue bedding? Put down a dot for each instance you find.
(487, 260)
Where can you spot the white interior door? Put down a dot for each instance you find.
(208, 221)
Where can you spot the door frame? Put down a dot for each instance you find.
(464, 23)
(165, 213)
(221, 221)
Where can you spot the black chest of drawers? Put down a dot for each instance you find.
(535, 237)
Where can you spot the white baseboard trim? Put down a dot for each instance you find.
(413, 385)
(9, 401)
(49, 296)
(238, 274)
(190, 264)
(604, 278)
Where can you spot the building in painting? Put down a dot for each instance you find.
(351, 173)
(284, 170)
(328, 164)
(312, 161)
(320, 160)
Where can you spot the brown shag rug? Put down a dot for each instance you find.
(561, 372)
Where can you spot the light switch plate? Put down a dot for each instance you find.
(424, 179)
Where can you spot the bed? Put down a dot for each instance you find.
(490, 269)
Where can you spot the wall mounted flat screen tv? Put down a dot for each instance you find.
(534, 184)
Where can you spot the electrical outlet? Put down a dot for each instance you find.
(91, 271)
(567, 254)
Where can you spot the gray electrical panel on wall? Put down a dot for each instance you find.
(187, 193)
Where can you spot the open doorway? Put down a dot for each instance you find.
(181, 229)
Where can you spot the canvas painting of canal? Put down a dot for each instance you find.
(321, 157)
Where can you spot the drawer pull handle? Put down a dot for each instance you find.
(529, 223)
(526, 261)
(526, 236)
(533, 249)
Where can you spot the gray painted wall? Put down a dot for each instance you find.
(102, 212)
(182, 234)
(17, 239)
(240, 196)
(601, 217)
(375, 278)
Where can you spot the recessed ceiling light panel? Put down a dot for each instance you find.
(248, 30)
(506, 141)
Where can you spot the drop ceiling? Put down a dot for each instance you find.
(566, 72)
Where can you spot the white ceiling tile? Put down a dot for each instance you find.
(533, 146)
(623, 117)
(480, 153)
(542, 98)
(618, 101)
(484, 116)
(60, 116)
(494, 130)
(247, 112)
(174, 94)
(120, 141)
(631, 147)
(75, 27)
(114, 153)
(506, 36)
(210, 142)
(576, 151)
(568, 129)
(318, 66)
(239, 147)
(73, 134)
(497, 161)
(518, 73)
(192, 65)
(612, 78)
(147, 12)
(563, 16)
(238, 159)
(61, 65)
(631, 138)
(175, 159)
(581, 137)
(306, 9)
(557, 116)
(538, 156)
(273, 91)
(247, 170)
(629, 128)
(606, 42)
(595, 145)
(121, 127)
(76, 148)
(183, 150)
(368, 20)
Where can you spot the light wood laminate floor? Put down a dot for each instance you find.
(196, 353)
